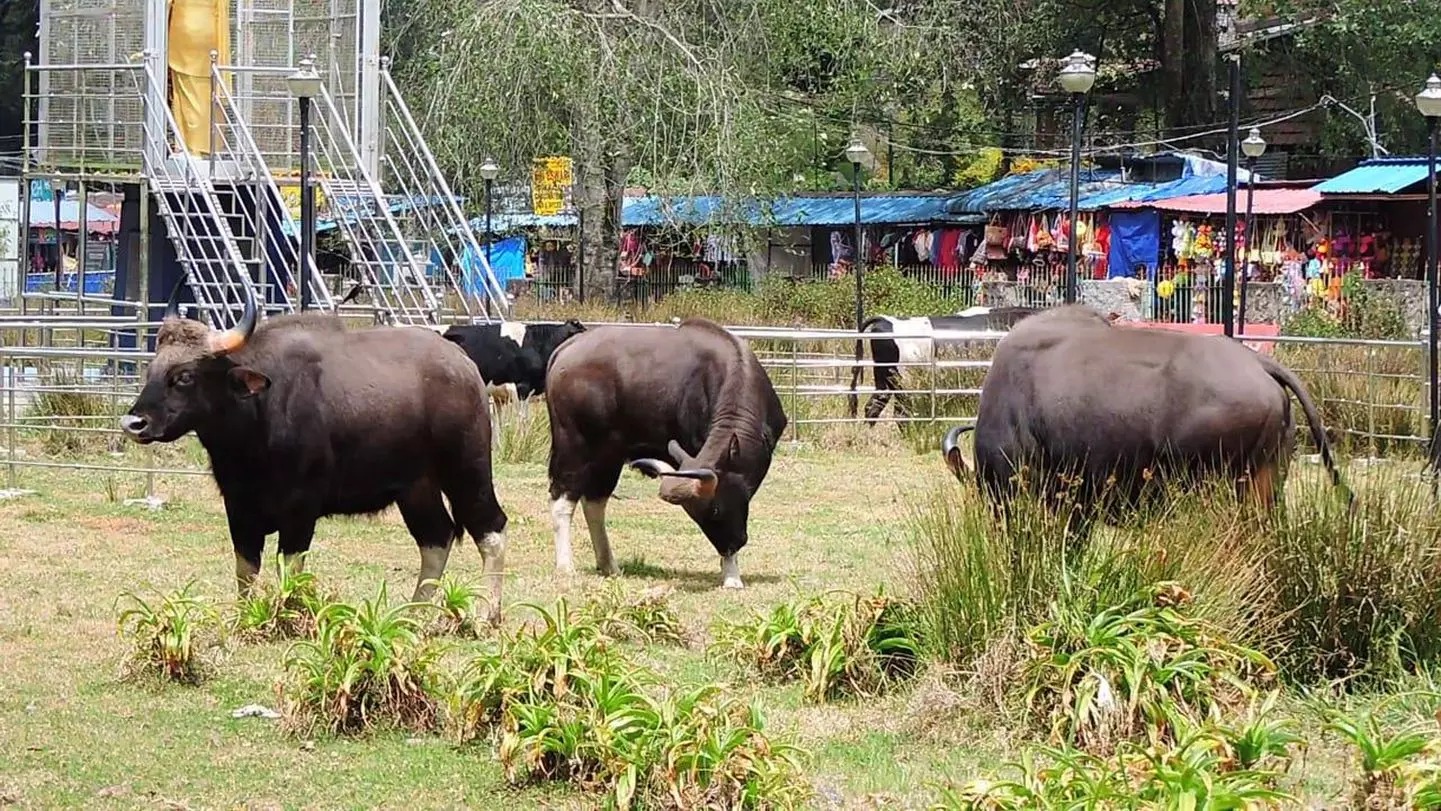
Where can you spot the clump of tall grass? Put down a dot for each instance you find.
(857, 646)
(367, 666)
(167, 635)
(460, 608)
(1357, 587)
(522, 433)
(67, 418)
(982, 579)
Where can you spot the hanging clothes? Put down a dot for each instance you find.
(921, 241)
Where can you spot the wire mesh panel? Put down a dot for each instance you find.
(90, 107)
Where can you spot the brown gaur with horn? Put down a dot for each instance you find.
(695, 394)
(303, 418)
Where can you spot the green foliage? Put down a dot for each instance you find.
(460, 607)
(858, 648)
(1142, 667)
(1366, 315)
(63, 405)
(165, 635)
(368, 665)
(1197, 772)
(286, 610)
(1357, 588)
(568, 706)
(1400, 768)
(980, 581)
(522, 433)
(644, 616)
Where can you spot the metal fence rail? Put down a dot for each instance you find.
(60, 396)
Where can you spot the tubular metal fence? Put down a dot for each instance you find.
(63, 385)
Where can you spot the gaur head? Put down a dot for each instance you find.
(717, 500)
(569, 329)
(191, 376)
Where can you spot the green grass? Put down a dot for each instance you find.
(77, 734)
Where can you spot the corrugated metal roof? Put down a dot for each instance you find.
(1377, 176)
(1267, 201)
(786, 212)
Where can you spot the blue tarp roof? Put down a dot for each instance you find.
(397, 205)
(793, 211)
(1377, 176)
(1051, 188)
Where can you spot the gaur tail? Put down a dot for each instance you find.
(1288, 380)
(951, 450)
(853, 400)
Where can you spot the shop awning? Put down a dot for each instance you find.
(97, 220)
(1266, 201)
(1377, 176)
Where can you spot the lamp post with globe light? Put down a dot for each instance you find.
(1077, 77)
(1253, 147)
(489, 171)
(1428, 102)
(304, 85)
(857, 154)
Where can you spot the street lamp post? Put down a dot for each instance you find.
(304, 85)
(489, 171)
(1078, 76)
(1233, 137)
(857, 154)
(1428, 102)
(57, 191)
(1253, 147)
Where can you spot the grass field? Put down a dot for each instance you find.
(76, 734)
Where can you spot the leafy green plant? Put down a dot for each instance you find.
(165, 635)
(566, 705)
(460, 607)
(854, 649)
(1357, 587)
(1392, 768)
(367, 665)
(285, 610)
(644, 616)
(1136, 669)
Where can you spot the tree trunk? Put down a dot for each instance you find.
(1173, 63)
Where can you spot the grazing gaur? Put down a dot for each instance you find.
(1070, 396)
(917, 346)
(512, 356)
(303, 418)
(695, 394)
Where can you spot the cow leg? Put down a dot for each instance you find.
(562, 509)
(731, 572)
(248, 540)
(594, 509)
(886, 379)
(295, 538)
(434, 531)
(479, 512)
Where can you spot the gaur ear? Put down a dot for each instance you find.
(248, 382)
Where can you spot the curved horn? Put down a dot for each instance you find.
(230, 340)
(678, 454)
(172, 304)
(951, 449)
(653, 468)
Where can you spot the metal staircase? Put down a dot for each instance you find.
(198, 223)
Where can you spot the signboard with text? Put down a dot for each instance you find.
(551, 180)
(10, 238)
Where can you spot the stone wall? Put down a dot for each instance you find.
(1264, 300)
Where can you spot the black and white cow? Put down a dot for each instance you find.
(914, 344)
(512, 356)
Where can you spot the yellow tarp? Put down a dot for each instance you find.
(197, 27)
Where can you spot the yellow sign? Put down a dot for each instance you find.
(550, 184)
(289, 184)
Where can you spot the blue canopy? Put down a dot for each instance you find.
(1377, 176)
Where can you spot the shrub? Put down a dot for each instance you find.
(367, 666)
(69, 416)
(568, 706)
(522, 433)
(165, 635)
(1358, 588)
(460, 606)
(644, 616)
(980, 580)
(1138, 668)
(284, 611)
(1400, 768)
(837, 651)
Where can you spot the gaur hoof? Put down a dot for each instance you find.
(733, 583)
(609, 571)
